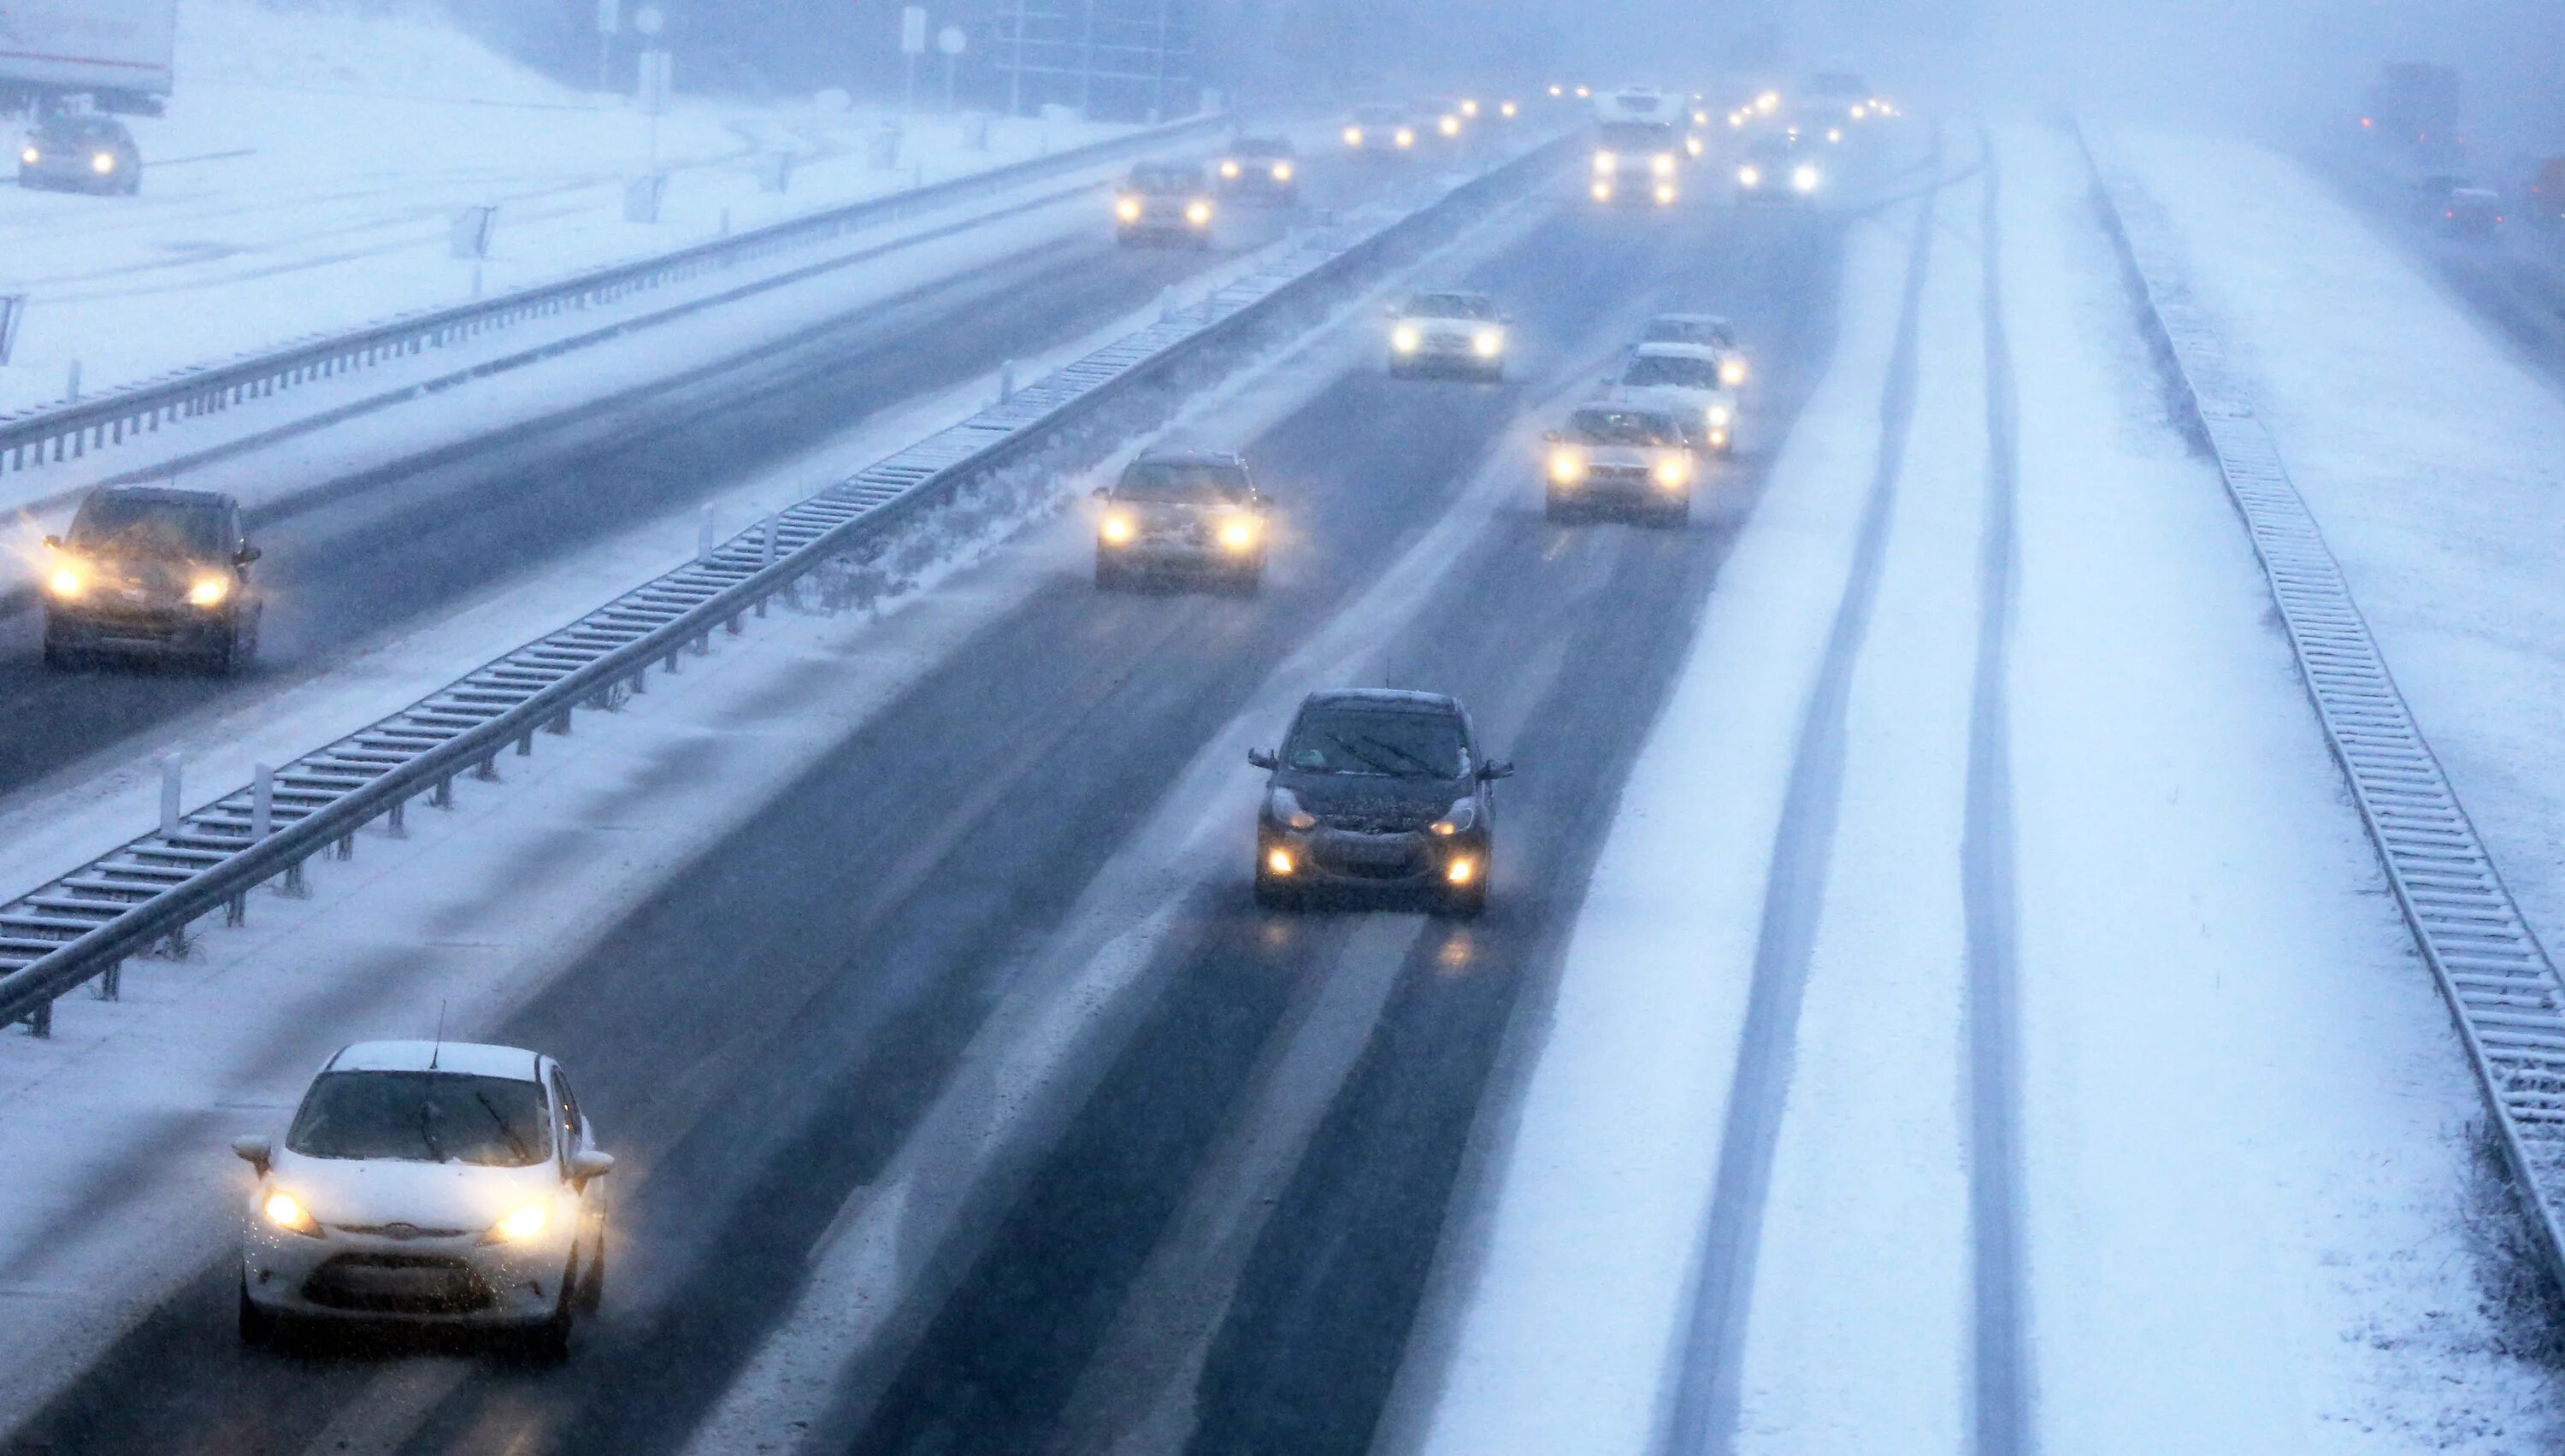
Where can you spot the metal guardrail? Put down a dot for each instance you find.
(2501, 988)
(52, 434)
(146, 895)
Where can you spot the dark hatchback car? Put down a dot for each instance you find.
(1377, 789)
(88, 154)
(150, 570)
(1182, 513)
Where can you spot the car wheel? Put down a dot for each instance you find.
(257, 1326)
(592, 1288)
(547, 1343)
(225, 660)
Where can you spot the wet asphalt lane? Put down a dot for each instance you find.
(760, 1041)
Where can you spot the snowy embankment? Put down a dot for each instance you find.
(2246, 1181)
(312, 163)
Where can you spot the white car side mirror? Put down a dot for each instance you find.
(255, 1152)
(586, 1167)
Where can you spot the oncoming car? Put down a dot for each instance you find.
(1448, 333)
(152, 571)
(1381, 790)
(1164, 202)
(1685, 380)
(1380, 131)
(1612, 456)
(1637, 163)
(1262, 167)
(80, 152)
(1777, 171)
(1701, 331)
(436, 1183)
(1182, 513)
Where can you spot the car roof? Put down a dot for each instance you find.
(1469, 294)
(1711, 320)
(1173, 456)
(164, 495)
(1382, 699)
(470, 1059)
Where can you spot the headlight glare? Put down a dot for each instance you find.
(209, 591)
(30, 156)
(1488, 343)
(1720, 415)
(1464, 815)
(286, 1212)
(1228, 169)
(1566, 466)
(1281, 172)
(1288, 813)
(67, 583)
(1731, 372)
(1128, 209)
(1605, 161)
(519, 1226)
(1117, 527)
(102, 162)
(1672, 472)
(1805, 178)
(1353, 137)
(1198, 213)
(1662, 165)
(1237, 534)
(1750, 177)
(1405, 339)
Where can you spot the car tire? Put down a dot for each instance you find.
(547, 1343)
(258, 1327)
(591, 1287)
(226, 658)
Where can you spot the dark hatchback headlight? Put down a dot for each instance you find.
(1464, 815)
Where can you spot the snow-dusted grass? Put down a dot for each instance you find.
(365, 135)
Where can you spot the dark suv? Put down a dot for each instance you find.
(1376, 789)
(151, 569)
(90, 153)
(1190, 513)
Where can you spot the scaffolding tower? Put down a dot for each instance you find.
(1121, 60)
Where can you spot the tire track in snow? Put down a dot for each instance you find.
(1704, 1393)
(2000, 1399)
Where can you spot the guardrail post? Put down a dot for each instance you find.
(171, 787)
(1006, 381)
(559, 725)
(296, 888)
(525, 744)
(262, 802)
(1167, 302)
(442, 796)
(396, 821)
(175, 945)
(704, 531)
(347, 847)
(40, 1022)
(487, 771)
(110, 985)
(236, 911)
(765, 550)
(71, 386)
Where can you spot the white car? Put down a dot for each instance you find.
(1616, 455)
(427, 1182)
(1685, 379)
(1448, 333)
(1703, 331)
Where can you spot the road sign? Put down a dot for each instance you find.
(13, 306)
(950, 39)
(912, 30)
(470, 232)
(610, 16)
(648, 19)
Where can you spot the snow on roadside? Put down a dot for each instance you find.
(364, 136)
(2431, 453)
(2244, 1107)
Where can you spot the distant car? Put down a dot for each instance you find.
(1448, 333)
(1637, 163)
(1182, 513)
(438, 1183)
(83, 152)
(1262, 167)
(152, 571)
(1380, 131)
(1164, 202)
(1701, 331)
(1441, 120)
(1684, 379)
(1620, 456)
(2473, 212)
(1377, 789)
(1778, 171)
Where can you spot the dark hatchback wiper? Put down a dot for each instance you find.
(1424, 769)
(1376, 764)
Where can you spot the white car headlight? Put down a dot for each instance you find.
(1288, 813)
(1719, 416)
(1405, 339)
(1488, 343)
(520, 1224)
(1237, 532)
(209, 591)
(1805, 178)
(1750, 177)
(1672, 472)
(286, 1212)
(1605, 161)
(1732, 372)
(1662, 164)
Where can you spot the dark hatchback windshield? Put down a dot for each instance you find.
(423, 1117)
(1672, 371)
(132, 525)
(1451, 305)
(1162, 181)
(1623, 427)
(1192, 481)
(1395, 745)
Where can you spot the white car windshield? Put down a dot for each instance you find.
(423, 1117)
(1623, 427)
(1451, 305)
(1655, 371)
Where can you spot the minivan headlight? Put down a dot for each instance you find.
(1288, 813)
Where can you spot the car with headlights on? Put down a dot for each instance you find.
(1262, 168)
(1637, 163)
(430, 1183)
(1685, 380)
(1448, 332)
(82, 152)
(1442, 121)
(1778, 172)
(1380, 131)
(1182, 514)
(1164, 202)
(1377, 789)
(152, 570)
(1701, 331)
(1621, 457)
